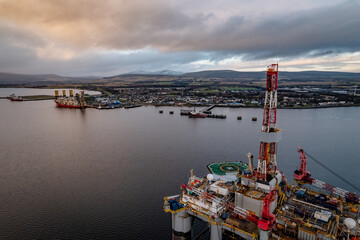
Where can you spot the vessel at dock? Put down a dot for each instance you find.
(242, 201)
(196, 114)
(204, 113)
(70, 101)
(15, 98)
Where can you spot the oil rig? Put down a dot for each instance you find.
(71, 101)
(241, 201)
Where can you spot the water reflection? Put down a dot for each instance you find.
(72, 174)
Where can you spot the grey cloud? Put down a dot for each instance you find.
(14, 47)
(178, 35)
(326, 52)
(170, 27)
(333, 29)
(96, 64)
(162, 25)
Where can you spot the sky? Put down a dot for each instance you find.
(110, 37)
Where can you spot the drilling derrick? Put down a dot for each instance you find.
(269, 133)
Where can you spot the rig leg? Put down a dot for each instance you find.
(215, 232)
(181, 225)
(264, 235)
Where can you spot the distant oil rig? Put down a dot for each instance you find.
(239, 201)
(70, 101)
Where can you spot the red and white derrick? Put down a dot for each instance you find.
(269, 133)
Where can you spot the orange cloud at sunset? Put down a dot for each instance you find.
(60, 35)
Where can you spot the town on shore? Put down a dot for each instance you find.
(309, 89)
(297, 97)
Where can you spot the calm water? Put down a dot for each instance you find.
(72, 174)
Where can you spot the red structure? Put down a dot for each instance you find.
(267, 220)
(267, 152)
(302, 174)
(269, 118)
(304, 177)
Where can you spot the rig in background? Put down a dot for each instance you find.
(71, 101)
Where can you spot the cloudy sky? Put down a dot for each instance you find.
(108, 37)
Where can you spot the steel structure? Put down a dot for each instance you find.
(265, 222)
(259, 204)
(302, 176)
(267, 152)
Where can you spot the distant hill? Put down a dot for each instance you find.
(13, 78)
(235, 75)
(162, 72)
(296, 76)
(319, 76)
(226, 74)
(168, 75)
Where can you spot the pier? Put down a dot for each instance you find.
(204, 113)
(132, 106)
(33, 98)
(221, 116)
(208, 109)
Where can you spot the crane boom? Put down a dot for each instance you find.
(304, 177)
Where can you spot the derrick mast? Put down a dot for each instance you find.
(269, 132)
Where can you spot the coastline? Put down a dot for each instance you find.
(229, 106)
(48, 97)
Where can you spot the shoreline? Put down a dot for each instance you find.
(49, 97)
(220, 106)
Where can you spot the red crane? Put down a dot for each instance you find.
(302, 174)
(304, 177)
(267, 220)
(267, 152)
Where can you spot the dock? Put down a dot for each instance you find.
(33, 98)
(185, 112)
(132, 106)
(208, 109)
(221, 116)
(205, 113)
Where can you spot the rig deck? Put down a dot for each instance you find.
(239, 201)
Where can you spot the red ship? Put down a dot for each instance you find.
(13, 97)
(196, 114)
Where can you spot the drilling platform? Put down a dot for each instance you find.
(71, 101)
(241, 201)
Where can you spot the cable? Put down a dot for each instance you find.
(337, 175)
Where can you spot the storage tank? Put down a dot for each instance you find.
(349, 223)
